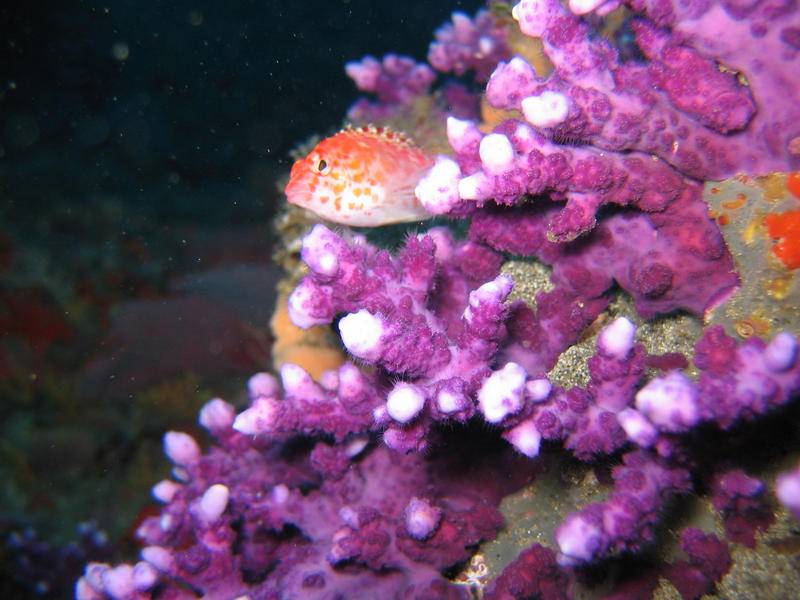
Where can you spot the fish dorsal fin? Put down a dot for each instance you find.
(382, 133)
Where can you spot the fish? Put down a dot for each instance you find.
(361, 177)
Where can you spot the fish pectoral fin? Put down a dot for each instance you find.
(405, 197)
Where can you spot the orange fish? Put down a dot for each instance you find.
(363, 177)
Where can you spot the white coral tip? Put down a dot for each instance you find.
(548, 109)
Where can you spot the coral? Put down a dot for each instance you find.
(421, 320)
(395, 79)
(516, 161)
(708, 560)
(418, 316)
(740, 500)
(469, 45)
(787, 489)
(344, 406)
(642, 484)
(534, 574)
(394, 322)
(669, 260)
(660, 106)
(315, 520)
(378, 475)
(442, 345)
(600, 130)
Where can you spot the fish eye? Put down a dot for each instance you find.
(323, 167)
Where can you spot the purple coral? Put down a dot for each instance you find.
(341, 408)
(467, 44)
(123, 581)
(737, 383)
(625, 521)
(675, 259)
(708, 561)
(533, 574)
(662, 107)
(740, 383)
(395, 79)
(741, 501)
(597, 176)
(255, 516)
(602, 131)
(442, 341)
(515, 161)
(451, 355)
(787, 489)
(586, 417)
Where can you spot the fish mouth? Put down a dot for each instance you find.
(295, 185)
(297, 195)
(290, 193)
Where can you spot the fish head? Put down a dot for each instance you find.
(330, 179)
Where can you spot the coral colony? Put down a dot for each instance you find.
(381, 479)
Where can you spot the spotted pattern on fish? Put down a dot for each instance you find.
(362, 177)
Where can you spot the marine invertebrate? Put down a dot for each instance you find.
(623, 112)
(626, 519)
(785, 229)
(443, 340)
(467, 44)
(787, 488)
(741, 500)
(611, 104)
(395, 81)
(321, 486)
(252, 517)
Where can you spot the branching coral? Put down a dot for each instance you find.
(319, 489)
